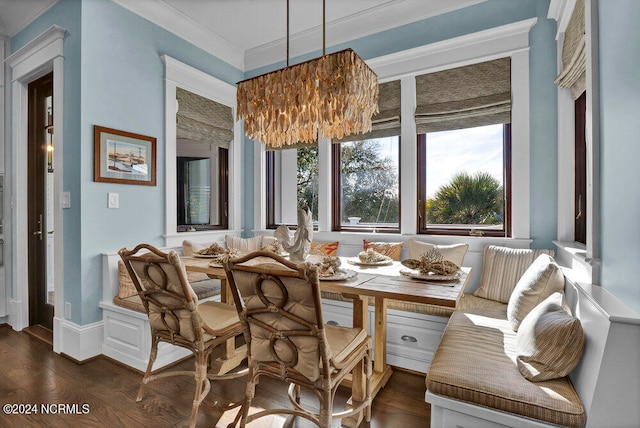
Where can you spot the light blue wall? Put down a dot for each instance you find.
(115, 78)
(619, 39)
(123, 88)
(543, 115)
(66, 14)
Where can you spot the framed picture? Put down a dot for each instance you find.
(123, 157)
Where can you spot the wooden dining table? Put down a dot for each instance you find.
(382, 283)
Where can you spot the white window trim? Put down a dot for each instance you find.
(43, 54)
(587, 257)
(508, 40)
(178, 74)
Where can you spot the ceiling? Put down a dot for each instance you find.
(252, 33)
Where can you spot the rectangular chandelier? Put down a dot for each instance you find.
(332, 96)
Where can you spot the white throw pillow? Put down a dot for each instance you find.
(543, 278)
(549, 342)
(190, 247)
(243, 245)
(454, 253)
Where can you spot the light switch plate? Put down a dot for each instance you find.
(113, 200)
(66, 200)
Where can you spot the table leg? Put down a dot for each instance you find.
(231, 356)
(381, 371)
(358, 378)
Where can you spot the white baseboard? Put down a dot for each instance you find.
(14, 315)
(79, 342)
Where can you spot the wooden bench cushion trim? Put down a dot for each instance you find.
(475, 363)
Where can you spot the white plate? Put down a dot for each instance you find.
(208, 256)
(358, 262)
(429, 276)
(342, 274)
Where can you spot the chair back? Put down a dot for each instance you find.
(161, 281)
(280, 309)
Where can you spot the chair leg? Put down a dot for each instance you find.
(249, 394)
(367, 412)
(201, 379)
(326, 409)
(152, 358)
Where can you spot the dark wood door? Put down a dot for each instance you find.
(40, 125)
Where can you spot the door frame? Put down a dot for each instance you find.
(43, 54)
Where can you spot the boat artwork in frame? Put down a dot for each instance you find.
(123, 157)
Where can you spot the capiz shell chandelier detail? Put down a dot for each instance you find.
(332, 96)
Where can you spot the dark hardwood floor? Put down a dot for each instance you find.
(102, 393)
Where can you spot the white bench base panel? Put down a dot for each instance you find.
(449, 413)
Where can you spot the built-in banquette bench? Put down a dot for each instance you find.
(126, 332)
(413, 329)
(485, 374)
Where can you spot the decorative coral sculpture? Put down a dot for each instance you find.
(432, 262)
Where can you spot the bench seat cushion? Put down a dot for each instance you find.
(203, 289)
(475, 363)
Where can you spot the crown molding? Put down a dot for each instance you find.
(561, 11)
(480, 46)
(174, 21)
(376, 19)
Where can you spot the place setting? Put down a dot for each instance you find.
(329, 269)
(431, 268)
(215, 253)
(370, 258)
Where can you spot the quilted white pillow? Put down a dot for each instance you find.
(454, 253)
(543, 278)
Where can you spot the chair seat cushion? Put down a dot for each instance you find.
(217, 315)
(343, 341)
(475, 363)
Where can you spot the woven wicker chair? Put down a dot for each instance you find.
(280, 309)
(175, 316)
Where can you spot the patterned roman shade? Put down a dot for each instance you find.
(464, 97)
(386, 123)
(573, 54)
(203, 120)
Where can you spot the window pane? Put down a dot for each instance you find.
(292, 183)
(464, 178)
(194, 181)
(307, 180)
(369, 184)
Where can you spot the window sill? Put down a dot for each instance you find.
(206, 236)
(573, 255)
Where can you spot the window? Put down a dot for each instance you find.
(224, 149)
(580, 208)
(464, 149)
(464, 181)
(202, 197)
(204, 129)
(292, 183)
(366, 185)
